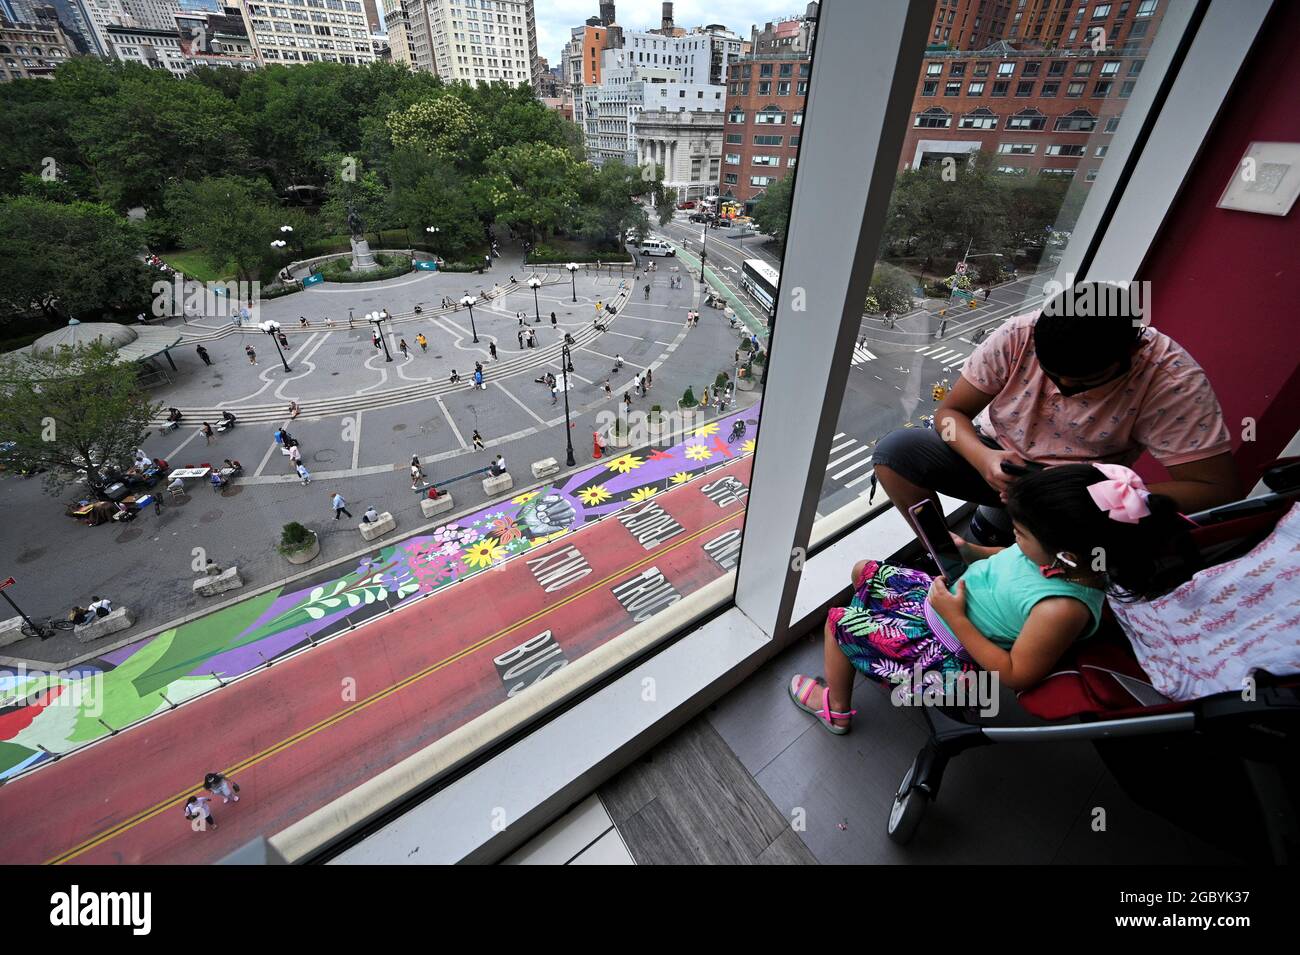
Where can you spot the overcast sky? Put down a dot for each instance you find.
(555, 18)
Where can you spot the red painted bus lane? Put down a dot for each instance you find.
(316, 725)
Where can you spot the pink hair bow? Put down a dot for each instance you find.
(1123, 497)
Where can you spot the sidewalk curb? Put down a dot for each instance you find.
(15, 662)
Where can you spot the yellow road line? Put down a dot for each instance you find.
(169, 803)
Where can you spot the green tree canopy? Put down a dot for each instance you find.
(232, 220)
(772, 211)
(73, 410)
(533, 188)
(68, 259)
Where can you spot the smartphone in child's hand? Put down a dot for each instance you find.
(938, 540)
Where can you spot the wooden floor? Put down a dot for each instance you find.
(692, 801)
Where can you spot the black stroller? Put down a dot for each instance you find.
(1159, 749)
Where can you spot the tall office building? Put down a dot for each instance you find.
(478, 41)
(333, 31)
(397, 24)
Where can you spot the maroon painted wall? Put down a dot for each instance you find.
(1226, 285)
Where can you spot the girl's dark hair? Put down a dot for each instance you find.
(1140, 561)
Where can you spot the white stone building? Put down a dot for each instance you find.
(687, 143)
(299, 31)
(612, 109)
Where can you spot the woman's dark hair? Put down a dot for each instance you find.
(1086, 329)
(1140, 561)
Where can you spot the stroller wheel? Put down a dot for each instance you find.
(909, 806)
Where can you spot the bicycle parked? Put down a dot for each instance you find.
(47, 629)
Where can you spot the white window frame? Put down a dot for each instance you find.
(833, 237)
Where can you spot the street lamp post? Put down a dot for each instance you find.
(535, 283)
(567, 363)
(468, 302)
(573, 281)
(273, 329)
(704, 251)
(377, 320)
(433, 230)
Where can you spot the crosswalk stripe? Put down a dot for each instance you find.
(852, 454)
(861, 355)
(859, 480)
(943, 355)
(852, 467)
(958, 363)
(840, 447)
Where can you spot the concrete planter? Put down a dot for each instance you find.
(746, 384)
(310, 552)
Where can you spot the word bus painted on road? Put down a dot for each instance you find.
(646, 594)
(651, 525)
(725, 549)
(729, 490)
(557, 570)
(760, 280)
(531, 662)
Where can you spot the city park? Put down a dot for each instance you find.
(458, 289)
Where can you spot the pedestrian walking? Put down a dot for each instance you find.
(304, 475)
(532, 338)
(219, 785)
(417, 473)
(552, 319)
(478, 380)
(609, 392)
(374, 340)
(199, 813)
(422, 342)
(208, 433)
(251, 353)
(492, 350)
(157, 505)
(647, 292)
(555, 395)
(284, 341)
(295, 456)
(520, 335)
(401, 345)
(627, 400)
(649, 378)
(478, 440)
(704, 402)
(340, 506)
(487, 261)
(203, 353)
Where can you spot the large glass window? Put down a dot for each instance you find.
(949, 276)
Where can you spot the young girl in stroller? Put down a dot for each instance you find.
(1082, 531)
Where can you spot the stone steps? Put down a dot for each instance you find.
(417, 391)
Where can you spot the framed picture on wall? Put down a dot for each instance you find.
(1267, 180)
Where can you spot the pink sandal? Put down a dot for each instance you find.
(801, 688)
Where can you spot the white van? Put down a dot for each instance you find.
(656, 247)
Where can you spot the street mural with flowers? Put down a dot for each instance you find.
(43, 713)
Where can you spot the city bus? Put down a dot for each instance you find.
(760, 280)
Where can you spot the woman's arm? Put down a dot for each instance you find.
(973, 552)
(1053, 625)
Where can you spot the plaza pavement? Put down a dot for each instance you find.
(149, 564)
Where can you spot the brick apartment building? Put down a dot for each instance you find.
(766, 91)
(1044, 97)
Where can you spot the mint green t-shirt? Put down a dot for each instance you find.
(1002, 589)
